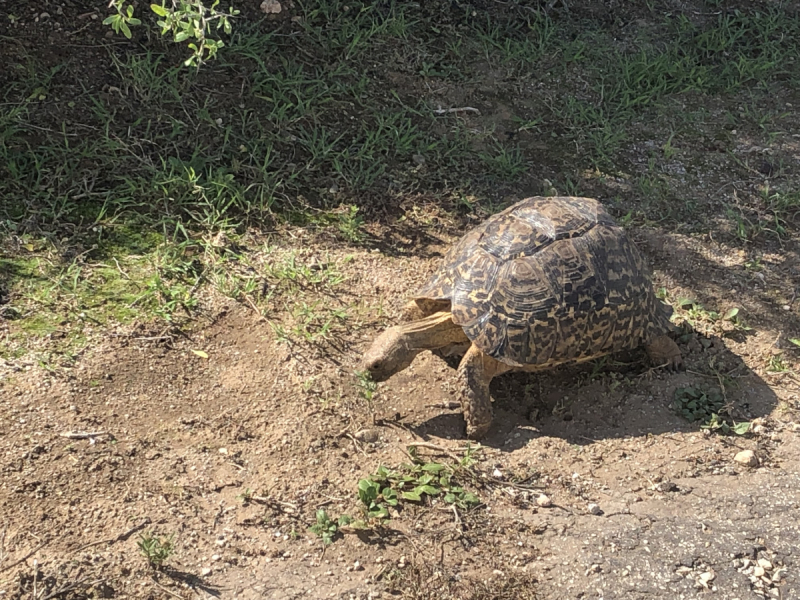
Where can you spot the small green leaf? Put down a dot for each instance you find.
(471, 498)
(181, 36)
(795, 341)
(427, 489)
(731, 314)
(379, 512)
(433, 467)
(161, 11)
(741, 428)
(412, 496)
(110, 20)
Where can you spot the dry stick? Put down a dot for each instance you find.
(254, 307)
(82, 435)
(122, 536)
(430, 446)
(24, 558)
(445, 111)
(70, 587)
(171, 593)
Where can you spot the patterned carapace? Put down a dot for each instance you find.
(547, 281)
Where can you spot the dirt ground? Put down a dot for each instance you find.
(230, 440)
(184, 437)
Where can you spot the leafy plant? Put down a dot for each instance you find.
(326, 528)
(156, 549)
(366, 385)
(414, 483)
(123, 20)
(707, 407)
(185, 20)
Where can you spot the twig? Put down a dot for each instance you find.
(171, 593)
(254, 307)
(121, 537)
(266, 500)
(445, 111)
(82, 435)
(459, 524)
(356, 444)
(449, 453)
(3, 546)
(70, 587)
(24, 558)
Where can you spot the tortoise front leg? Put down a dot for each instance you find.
(664, 351)
(474, 375)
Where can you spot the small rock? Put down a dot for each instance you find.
(544, 501)
(271, 7)
(785, 306)
(223, 450)
(764, 564)
(666, 486)
(497, 473)
(498, 573)
(418, 159)
(215, 557)
(758, 571)
(205, 571)
(746, 457)
(367, 435)
(595, 509)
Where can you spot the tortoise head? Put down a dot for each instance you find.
(389, 354)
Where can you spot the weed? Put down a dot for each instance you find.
(777, 364)
(414, 483)
(156, 549)
(326, 528)
(709, 408)
(366, 385)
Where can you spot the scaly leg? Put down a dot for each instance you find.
(474, 375)
(663, 350)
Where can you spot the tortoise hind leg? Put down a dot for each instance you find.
(664, 351)
(474, 375)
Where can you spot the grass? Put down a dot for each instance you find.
(112, 190)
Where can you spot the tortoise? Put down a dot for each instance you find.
(548, 281)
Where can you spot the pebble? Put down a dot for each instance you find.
(746, 457)
(367, 435)
(595, 509)
(215, 557)
(271, 7)
(205, 571)
(544, 501)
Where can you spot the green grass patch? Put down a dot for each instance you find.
(327, 120)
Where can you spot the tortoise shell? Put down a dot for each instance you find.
(549, 280)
